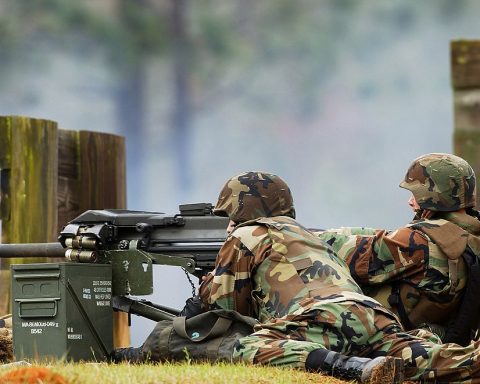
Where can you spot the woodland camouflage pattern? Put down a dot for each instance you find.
(282, 289)
(254, 194)
(441, 182)
(423, 258)
(305, 298)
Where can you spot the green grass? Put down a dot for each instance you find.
(100, 373)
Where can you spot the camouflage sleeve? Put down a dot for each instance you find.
(204, 290)
(378, 256)
(337, 237)
(347, 231)
(229, 286)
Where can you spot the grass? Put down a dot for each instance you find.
(101, 373)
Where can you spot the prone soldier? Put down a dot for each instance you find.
(428, 271)
(266, 198)
(312, 313)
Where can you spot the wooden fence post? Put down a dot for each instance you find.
(68, 191)
(91, 175)
(465, 67)
(48, 176)
(28, 188)
(103, 162)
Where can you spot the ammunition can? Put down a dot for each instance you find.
(62, 311)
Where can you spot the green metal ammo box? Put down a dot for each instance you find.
(62, 311)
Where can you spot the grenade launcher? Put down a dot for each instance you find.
(109, 258)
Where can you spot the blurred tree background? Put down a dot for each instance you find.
(336, 96)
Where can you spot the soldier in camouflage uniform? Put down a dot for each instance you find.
(421, 271)
(311, 310)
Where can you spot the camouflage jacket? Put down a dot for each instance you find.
(273, 267)
(422, 258)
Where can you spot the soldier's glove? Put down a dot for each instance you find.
(193, 306)
(131, 355)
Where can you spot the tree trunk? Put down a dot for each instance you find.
(130, 116)
(129, 97)
(182, 112)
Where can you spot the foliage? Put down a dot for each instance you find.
(127, 31)
(224, 40)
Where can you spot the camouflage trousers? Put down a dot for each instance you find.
(354, 329)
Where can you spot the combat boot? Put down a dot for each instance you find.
(131, 355)
(381, 370)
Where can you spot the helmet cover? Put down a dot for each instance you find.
(441, 182)
(252, 195)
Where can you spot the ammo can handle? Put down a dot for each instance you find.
(53, 300)
(54, 275)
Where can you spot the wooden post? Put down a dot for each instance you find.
(68, 194)
(102, 161)
(48, 176)
(465, 65)
(91, 175)
(28, 188)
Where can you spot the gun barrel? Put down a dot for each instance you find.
(32, 250)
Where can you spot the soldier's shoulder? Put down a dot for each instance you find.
(408, 233)
(250, 235)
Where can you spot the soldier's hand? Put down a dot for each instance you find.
(205, 277)
(193, 307)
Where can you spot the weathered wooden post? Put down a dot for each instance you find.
(48, 176)
(465, 66)
(28, 188)
(91, 175)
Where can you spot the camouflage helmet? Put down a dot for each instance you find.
(251, 195)
(441, 182)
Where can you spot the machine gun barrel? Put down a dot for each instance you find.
(32, 250)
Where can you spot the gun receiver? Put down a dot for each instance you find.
(132, 241)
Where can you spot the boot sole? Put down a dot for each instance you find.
(391, 371)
